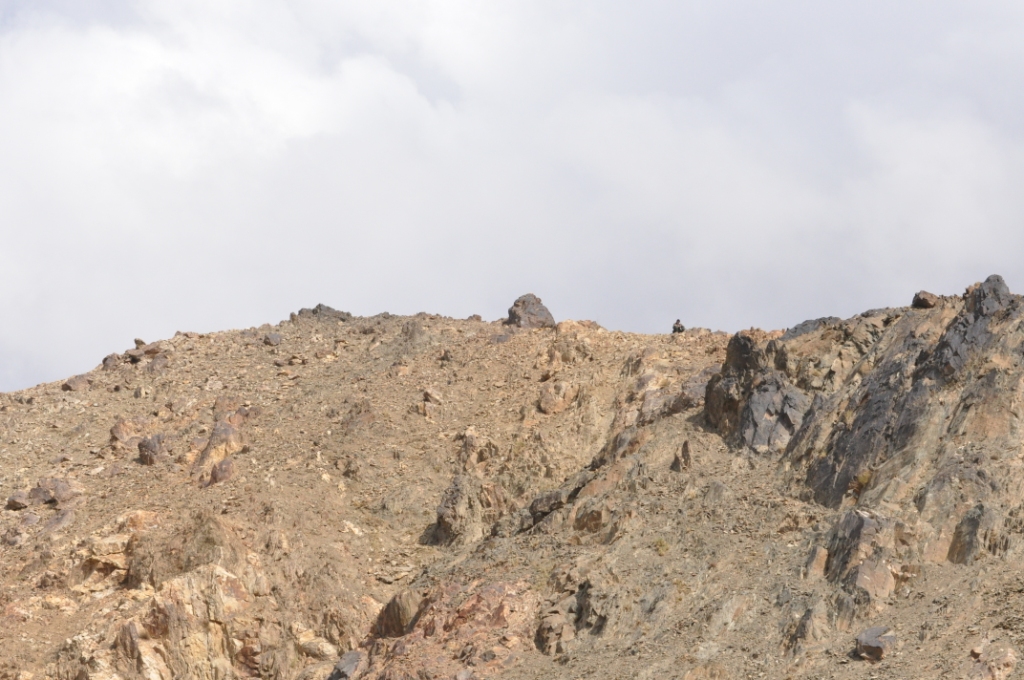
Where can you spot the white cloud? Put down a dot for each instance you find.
(173, 165)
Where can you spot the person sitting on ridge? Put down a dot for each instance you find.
(678, 327)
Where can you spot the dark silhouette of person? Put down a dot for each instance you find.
(678, 327)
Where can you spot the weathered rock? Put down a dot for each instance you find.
(78, 383)
(924, 300)
(969, 538)
(993, 662)
(874, 644)
(349, 666)
(399, 614)
(222, 471)
(152, 450)
(812, 628)
(751, 401)
(19, 500)
(529, 312)
(53, 490)
(548, 502)
(225, 440)
(324, 313)
(682, 460)
(272, 339)
(467, 509)
(556, 396)
(857, 536)
(871, 581)
(816, 563)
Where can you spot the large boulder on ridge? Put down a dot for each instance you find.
(529, 312)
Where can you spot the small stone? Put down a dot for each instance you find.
(139, 343)
(399, 614)
(529, 312)
(875, 643)
(18, 501)
(924, 300)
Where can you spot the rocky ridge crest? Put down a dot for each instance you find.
(424, 497)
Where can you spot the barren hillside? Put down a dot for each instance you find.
(424, 497)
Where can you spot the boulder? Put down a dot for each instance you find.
(874, 644)
(349, 665)
(924, 300)
(78, 383)
(529, 312)
(399, 614)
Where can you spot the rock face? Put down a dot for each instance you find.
(529, 312)
(388, 498)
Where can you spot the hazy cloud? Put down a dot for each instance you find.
(203, 165)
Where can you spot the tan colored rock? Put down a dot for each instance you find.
(399, 614)
(872, 582)
(816, 561)
(993, 661)
(556, 396)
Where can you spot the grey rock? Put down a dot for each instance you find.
(874, 644)
(548, 502)
(19, 500)
(529, 312)
(970, 533)
(350, 664)
(810, 326)
(324, 313)
(272, 339)
(152, 449)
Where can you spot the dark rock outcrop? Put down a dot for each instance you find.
(529, 312)
(914, 410)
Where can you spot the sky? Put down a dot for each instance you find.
(199, 165)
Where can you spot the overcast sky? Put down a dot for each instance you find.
(202, 165)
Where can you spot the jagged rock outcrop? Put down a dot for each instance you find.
(911, 410)
(390, 497)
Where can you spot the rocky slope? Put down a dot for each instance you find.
(424, 497)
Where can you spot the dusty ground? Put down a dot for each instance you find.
(425, 497)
